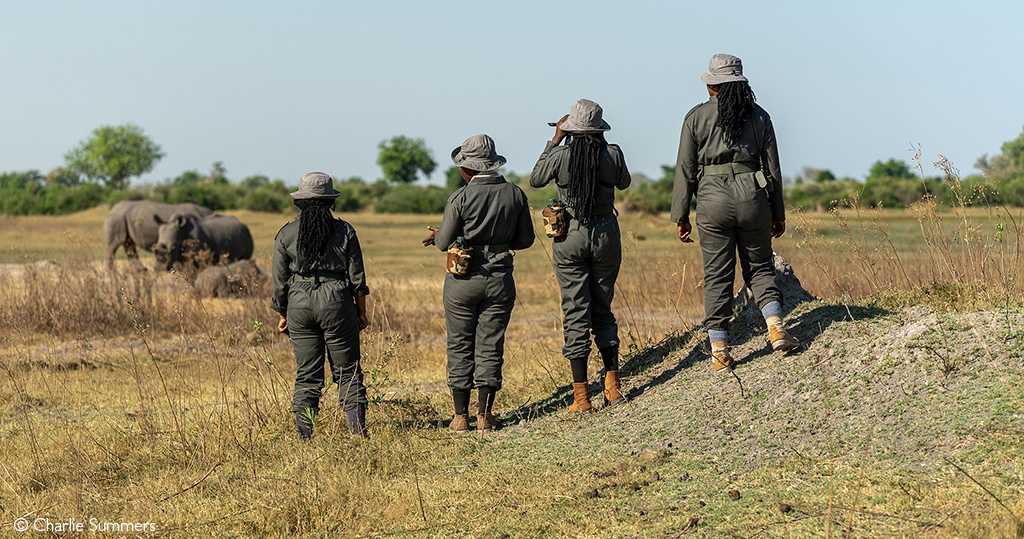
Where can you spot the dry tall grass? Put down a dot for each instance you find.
(126, 396)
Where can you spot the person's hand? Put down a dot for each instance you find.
(429, 240)
(778, 228)
(559, 134)
(282, 325)
(364, 322)
(684, 232)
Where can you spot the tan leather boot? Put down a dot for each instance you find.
(487, 422)
(781, 340)
(612, 389)
(722, 361)
(581, 399)
(460, 423)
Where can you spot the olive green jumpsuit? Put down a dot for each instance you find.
(321, 313)
(587, 258)
(493, 216)
(734, 211)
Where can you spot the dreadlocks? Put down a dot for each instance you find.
(316, 223)
(735, 105)
(584, 167)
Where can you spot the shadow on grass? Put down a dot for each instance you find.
(806, 326)
(639, 361)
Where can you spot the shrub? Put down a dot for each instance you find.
(412, 199)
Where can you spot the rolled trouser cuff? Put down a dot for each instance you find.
(718, 335)
(772, 308)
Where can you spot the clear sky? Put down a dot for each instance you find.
(283, 88)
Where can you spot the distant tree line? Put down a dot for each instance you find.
(99, 169)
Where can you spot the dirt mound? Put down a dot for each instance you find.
(911, 387)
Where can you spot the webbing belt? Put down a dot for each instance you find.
(729, 168)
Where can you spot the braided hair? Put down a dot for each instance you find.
(316, 224)
(584, 168)
(735, 105)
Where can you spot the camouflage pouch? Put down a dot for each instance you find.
(556, 220)
(458, 259)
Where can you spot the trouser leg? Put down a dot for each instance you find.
(604, 271)
(754, 247)
(308, 345)
(718, 248)
(343, 355)
(572, 271)
(492, 321)
(461, 312)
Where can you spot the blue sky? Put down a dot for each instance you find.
(281, 89)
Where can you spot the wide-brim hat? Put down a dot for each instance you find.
(724, 68)
(316, 185)
(477, 153)
(585, 116)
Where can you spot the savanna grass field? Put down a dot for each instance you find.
(128, 400)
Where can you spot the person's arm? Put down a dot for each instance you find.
(623, 180)
(685, 184)
(771, 163)
(548, 163)
(356, 273)
(524, 235)
(451, 225)
(364, 322)
(280, 275)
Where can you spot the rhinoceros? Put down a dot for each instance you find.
(132, 223)
(196, 241)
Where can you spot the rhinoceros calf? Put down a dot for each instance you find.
(136, 223)
(196, 242)
(235, 280)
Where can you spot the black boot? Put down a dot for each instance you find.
(357, 421)
(305, 426)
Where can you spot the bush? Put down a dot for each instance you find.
(413, 199)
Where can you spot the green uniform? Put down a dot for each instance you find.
(735, 213)
(493, 217)
(587, 259)
(321, 313)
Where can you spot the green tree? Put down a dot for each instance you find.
(112, 155)
(890, 169)
(401, 157)
(62, 176)
(825, 175)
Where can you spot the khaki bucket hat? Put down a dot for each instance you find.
(316, 185)
(477, 153)
(724, 68)
(585, 116)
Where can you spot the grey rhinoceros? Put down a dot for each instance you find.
(196, 241)
(132, 223)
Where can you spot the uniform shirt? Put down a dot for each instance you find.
(343, 258)
(487, 211)
(553, 164)
(703, 143)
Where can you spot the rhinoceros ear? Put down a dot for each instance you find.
(179, 220)
(159, 220)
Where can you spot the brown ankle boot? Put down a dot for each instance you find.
(722, 361)
(612, 389)
(486, 422)
(460, 423)
(781, 340)
(581, 399)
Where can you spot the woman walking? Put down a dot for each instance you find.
(729, 160)
(319, 289)
(482, 222)
(587, 170)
